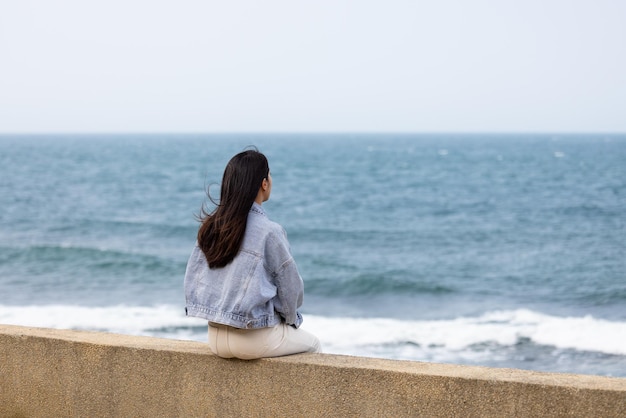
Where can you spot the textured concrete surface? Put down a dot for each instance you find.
(46, 373)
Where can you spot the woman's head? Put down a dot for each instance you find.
(243, 178)
(246, 178)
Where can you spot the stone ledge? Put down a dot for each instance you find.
(48, 372)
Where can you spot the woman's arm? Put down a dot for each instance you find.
(289, 284)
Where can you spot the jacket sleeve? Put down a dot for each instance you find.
(289, 284)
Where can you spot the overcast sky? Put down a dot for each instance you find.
(312, 66)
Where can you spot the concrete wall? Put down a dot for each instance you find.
(45, 372)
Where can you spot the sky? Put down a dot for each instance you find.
(186, 66)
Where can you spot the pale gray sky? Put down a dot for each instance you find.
(309, 66)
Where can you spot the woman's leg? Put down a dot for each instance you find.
(248, 344)
(285, 339)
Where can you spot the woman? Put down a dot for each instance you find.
(241, 276)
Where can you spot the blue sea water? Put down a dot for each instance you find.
(496, 250)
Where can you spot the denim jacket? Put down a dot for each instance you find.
(260, 288)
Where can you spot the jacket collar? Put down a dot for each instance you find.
(256, 208)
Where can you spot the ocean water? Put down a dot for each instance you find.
(495, 250)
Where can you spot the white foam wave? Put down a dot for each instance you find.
(501, 328)
(467, 338)
(162, 320)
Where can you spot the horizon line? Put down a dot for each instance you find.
(307, 133)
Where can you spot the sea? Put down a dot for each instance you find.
(499, 250)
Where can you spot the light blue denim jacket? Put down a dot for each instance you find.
(260, 288)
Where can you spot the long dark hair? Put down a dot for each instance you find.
(221, 232)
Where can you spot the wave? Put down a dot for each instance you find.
(158, 321)
(68, 257)
(393, 282)
(498, 328)
(346, 335)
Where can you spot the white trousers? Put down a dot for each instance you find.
(248, 344)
